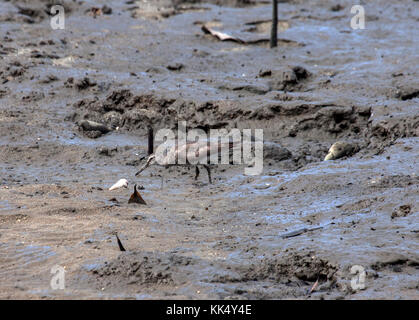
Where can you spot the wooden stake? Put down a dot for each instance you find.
(274, 29)
(150, 140)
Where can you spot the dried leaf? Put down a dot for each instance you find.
(136, 197)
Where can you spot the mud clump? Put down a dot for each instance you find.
(334, 120)
(290, 79)
(31, 12)
(92, 129)
(143, 269)
(175, 66)
(307, 122)
(95, 11)
(105, 151)
(84, 84)
(11, 73)
(401, 211)
(394, 128)
(293, 273)
(407, 91)
(287, 275)
(33, 96)
(135, 112)
(303, 267)
(398, 181)
(396, 262)
(275, 152)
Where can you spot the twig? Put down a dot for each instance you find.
(274, 30)
(314, 286)
(121, 247)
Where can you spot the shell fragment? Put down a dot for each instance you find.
(121, 183)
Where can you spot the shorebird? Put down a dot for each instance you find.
(203, 152)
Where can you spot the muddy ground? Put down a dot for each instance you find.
(132, 64)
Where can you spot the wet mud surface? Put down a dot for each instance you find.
(293, 232)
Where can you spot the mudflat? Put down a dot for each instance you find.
(128, 65)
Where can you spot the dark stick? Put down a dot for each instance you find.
(121, 247)
(150, 140)
(274, 29)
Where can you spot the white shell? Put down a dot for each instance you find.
(121, 183)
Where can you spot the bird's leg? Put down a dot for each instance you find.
(209, 172)
(196, 172)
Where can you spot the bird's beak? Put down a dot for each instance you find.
(151, 158)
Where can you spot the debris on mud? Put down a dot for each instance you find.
(121, 183)
(245, 40)
(84, 83)
(220, 35)
(341, 149)
(136, 197)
